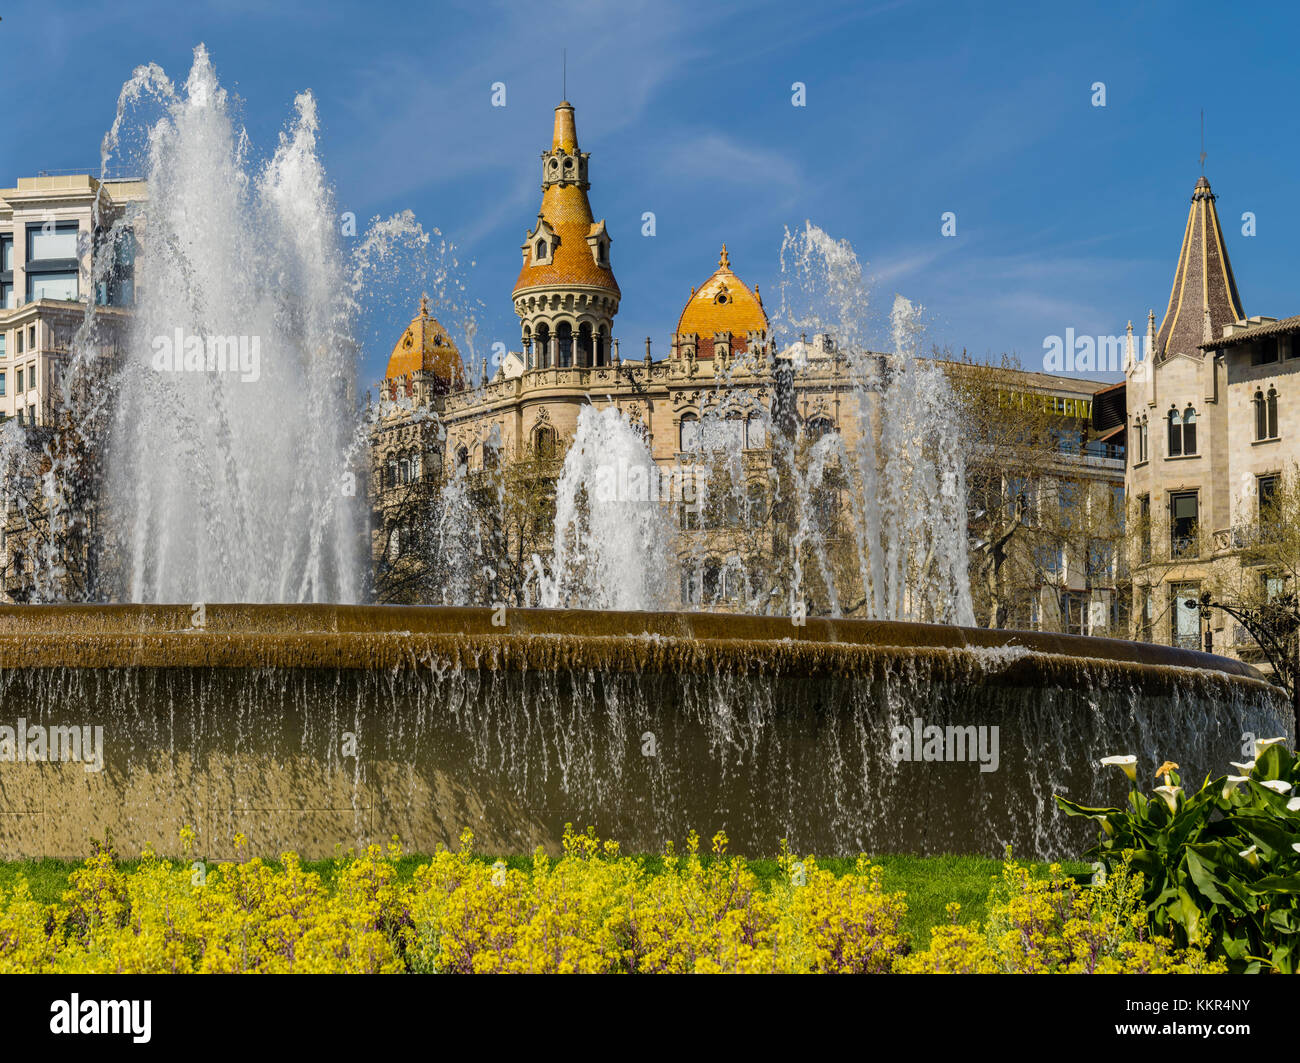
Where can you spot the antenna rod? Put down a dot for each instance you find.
(564, 80)
(1202, 140)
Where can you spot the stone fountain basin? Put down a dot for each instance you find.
(314, 727)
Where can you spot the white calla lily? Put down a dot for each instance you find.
(1170, 795)
(1127, 764)
(1293, 805)
(1244, 768)
(1262, 744)
(1251, 855)
(1232, 782)
(1278, 786)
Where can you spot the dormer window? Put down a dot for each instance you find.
(540, 245)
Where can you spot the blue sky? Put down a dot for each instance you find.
(1068, 215)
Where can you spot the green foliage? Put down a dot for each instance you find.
(1220, 868)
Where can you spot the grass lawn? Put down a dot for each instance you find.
(930, 882)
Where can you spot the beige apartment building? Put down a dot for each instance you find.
(48, 237)
(53, 265)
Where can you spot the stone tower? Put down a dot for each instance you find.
(566, 295)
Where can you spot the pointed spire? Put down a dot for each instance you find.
(1204, 296)
(565, 137)
(424, 305)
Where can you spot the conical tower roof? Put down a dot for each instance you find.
(1203, 282)
(575, 258)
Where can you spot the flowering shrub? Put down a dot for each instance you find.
(1055, 926)
(1221, 867)
(589, 910)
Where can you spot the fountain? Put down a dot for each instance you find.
(305, 721)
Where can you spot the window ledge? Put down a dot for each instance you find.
(1270, 439)
(1181, 457)
(1141, 464)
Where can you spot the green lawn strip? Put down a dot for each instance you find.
(930, 882)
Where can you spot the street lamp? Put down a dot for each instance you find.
(1272, 626)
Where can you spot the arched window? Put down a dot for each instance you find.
(1266, 414)
(404, 471)
(542, 348)
(1140, 440)
(712, 588)
(462, 458)
(602, 347)
(565, 336)
(818, 427)
(1182, 432)
(755, 432)
(541, 250)
(392, 473)
(545, 441)
(690, 432)
(586, 349)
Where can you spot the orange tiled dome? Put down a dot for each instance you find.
(723, 303)
(425, 346)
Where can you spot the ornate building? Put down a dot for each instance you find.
(1210, 411)
(724, 373)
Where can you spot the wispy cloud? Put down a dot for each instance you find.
(716, 156)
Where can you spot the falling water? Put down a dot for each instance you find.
(614, 541)
(232, 451)
(876, 510)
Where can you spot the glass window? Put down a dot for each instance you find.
(690, 432)
(20, 381)
(755, 432)
(1271, 411)
(1144, 517)
(564, 334)
(51, 241)
(1185, 619)
(1189, 431)
(62, 285)
(6, 254)
(1184, 511)
(1267, 497)
(4, 339)
(2, 383)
